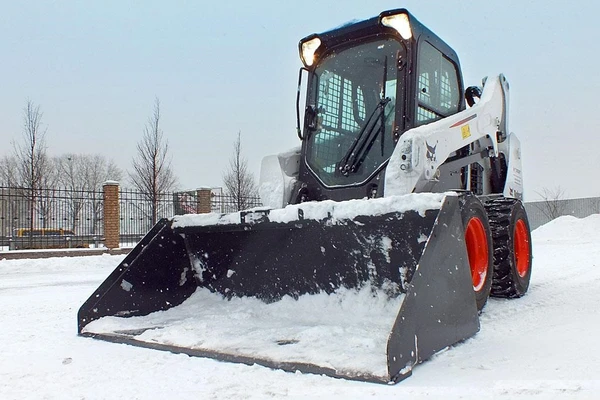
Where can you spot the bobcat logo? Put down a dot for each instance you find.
(515, 193)
(430, 152)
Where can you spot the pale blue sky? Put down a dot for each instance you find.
(95, 67)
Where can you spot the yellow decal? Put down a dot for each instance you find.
(466, 131)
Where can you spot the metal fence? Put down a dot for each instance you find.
(62, 218)
(49, 218)
(139, 211)
(136, 210)
(223, 203)
(193, 201)
(542, 212)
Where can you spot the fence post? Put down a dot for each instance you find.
(111, 214)
(203, 197)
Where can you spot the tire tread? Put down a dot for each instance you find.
(504, 281)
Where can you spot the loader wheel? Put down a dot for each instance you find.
(512, 248)
(478, 240)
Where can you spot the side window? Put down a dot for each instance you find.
(437, 85)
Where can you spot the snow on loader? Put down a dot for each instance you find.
(381, 238)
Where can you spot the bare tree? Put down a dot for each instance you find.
(10, 210)
(152, 174)
(8, 171)
(98, 170)
(239, 182)
(46, 192)
(553, 202)
(32, 161)
(71, 169)
(31, 153)
(83, 175)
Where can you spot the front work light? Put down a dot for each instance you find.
(308, 50)
(400, 23)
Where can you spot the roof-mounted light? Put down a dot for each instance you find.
(308, 49)
(400, 23)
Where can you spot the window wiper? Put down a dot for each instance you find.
(357, 153)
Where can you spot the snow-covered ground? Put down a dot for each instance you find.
(544, 345)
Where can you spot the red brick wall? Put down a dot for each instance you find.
(111, 215)
(204, 201)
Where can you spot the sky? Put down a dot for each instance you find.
(95, 69)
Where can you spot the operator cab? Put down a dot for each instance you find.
(369, 82)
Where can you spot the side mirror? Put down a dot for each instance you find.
(298, 96)
(471, 93)
(311, 118)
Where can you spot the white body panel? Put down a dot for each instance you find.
(278, 174)
(514, 179)
(420, 151)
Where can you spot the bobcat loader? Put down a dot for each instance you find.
(382, 235)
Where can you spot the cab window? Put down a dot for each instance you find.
(437, 86)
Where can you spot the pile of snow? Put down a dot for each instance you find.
(569, 229)
(346, 330)
(335, 211)
(542, 346)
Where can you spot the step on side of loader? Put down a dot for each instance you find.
(331, 288)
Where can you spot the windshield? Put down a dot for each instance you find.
(354, 95)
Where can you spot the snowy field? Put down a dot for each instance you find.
(544, 345)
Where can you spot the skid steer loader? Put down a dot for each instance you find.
(382, 235)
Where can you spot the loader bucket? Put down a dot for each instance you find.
(363, 289)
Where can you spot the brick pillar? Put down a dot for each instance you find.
(111, 214)
(203, 205)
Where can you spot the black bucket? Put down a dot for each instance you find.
(384, 292)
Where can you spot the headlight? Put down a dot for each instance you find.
(308, 49)
(400, 23)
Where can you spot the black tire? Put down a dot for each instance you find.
(478, 240)
(512, 248)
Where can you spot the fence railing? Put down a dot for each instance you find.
(138, 212)
(542, 212)
(211, 200)
(22, 208)
(63, 218)
(49, 217)
(223, 203)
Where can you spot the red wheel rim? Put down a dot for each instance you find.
(478, 252)
(521, 243)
